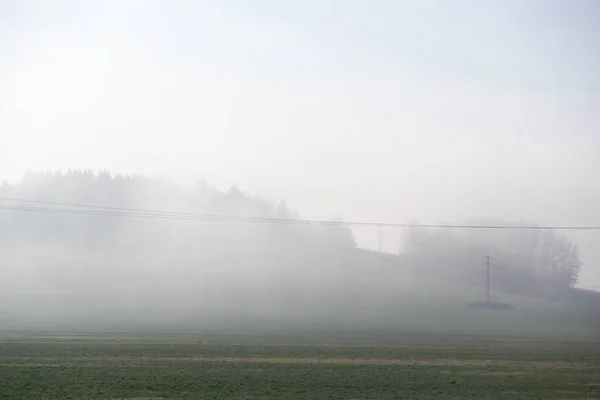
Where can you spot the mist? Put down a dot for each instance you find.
(393, 112)
(156, 255)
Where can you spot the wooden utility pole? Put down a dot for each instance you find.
(487, 278)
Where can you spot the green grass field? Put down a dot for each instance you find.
(401, 366)
(368, 337)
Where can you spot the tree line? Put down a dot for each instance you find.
(524, 261)
(105, 189)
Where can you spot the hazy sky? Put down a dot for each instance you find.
(378, 110)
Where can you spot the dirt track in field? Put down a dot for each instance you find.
(62, 361)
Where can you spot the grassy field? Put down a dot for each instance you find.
(401, 366)
(375, 339)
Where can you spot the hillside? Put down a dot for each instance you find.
(70, 271)
(50, 199)
(353, 290)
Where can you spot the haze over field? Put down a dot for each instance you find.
(424, 111)
(228, 259)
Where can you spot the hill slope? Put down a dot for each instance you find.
(103, 272)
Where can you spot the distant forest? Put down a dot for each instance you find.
(530, 262)
(138, 192)
(525, 261)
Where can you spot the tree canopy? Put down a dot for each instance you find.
(138, 192)
(528, 261)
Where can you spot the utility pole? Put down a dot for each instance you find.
(401, 244)
(487, 278)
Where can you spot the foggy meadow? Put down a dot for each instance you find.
(386, 199)
(157, 255)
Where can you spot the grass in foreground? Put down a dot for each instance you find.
(94, 368)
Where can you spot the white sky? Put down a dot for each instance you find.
(378, 110)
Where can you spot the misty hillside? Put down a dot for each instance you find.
(117, 266)
(61, 259)
(120, 194)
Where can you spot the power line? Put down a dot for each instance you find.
(55, 203)
(151, 215)
(97, 210)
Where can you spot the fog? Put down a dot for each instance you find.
(389, 111)
(232, 260)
